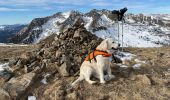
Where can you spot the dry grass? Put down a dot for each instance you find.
(151, 82)
(7, 52)
(156, 56)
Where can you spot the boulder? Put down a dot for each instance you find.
(47, 52)
(2, 81)
(17, 86)
(58, 53)
(5, 76)
(76, 34)
(72, 96)
(12, 62)
(34, 64)
(26, 69)
(40, 53)
(22, 62)
(4, 95)
(14, 68)
(39, 69)
(64, 69)
(27, 55)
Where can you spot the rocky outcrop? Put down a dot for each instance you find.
(17, 86)
(69, 47)
(58, 55)
(4, 95)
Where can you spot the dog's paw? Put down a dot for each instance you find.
(92, 82)
(111, 77)
(102, 82)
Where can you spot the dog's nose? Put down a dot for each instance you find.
(113, 48)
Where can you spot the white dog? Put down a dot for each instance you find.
(97, 69)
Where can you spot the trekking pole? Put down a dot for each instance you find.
(118, 32)
(122, 35)
(120, 15)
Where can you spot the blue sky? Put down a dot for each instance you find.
(23, 11)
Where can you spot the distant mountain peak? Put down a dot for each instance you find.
(7, 31)
(139, 29)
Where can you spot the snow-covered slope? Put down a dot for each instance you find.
(52, 26)
(135, 34)
(139, 30)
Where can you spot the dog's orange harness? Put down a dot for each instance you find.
(95, 53)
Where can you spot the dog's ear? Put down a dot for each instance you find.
(103, 45)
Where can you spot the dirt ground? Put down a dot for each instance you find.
(150, 82)
(7, 52)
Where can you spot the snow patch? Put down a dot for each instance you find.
(104, 21)
(66, 14)
(110, 32)
(2, 44)
(88, 21)
(31, 98)
(139, 61)
(44, 80)
(12, 45)
(135, 35)
(136, 66)
(3, 66)
(122, 65)
(2, 27)
(129, 20)
(125, 56)
(36, 28)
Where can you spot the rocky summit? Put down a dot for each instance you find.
(58, 56)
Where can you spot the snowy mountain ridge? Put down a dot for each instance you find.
(2, 27)
(139, 30)
(7, 31)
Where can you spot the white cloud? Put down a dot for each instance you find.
(12, 9)
(73, 2)
(48, 2)
(101, 4)
(24, 2)
(25, 5)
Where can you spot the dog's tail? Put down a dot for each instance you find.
(77, 81)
